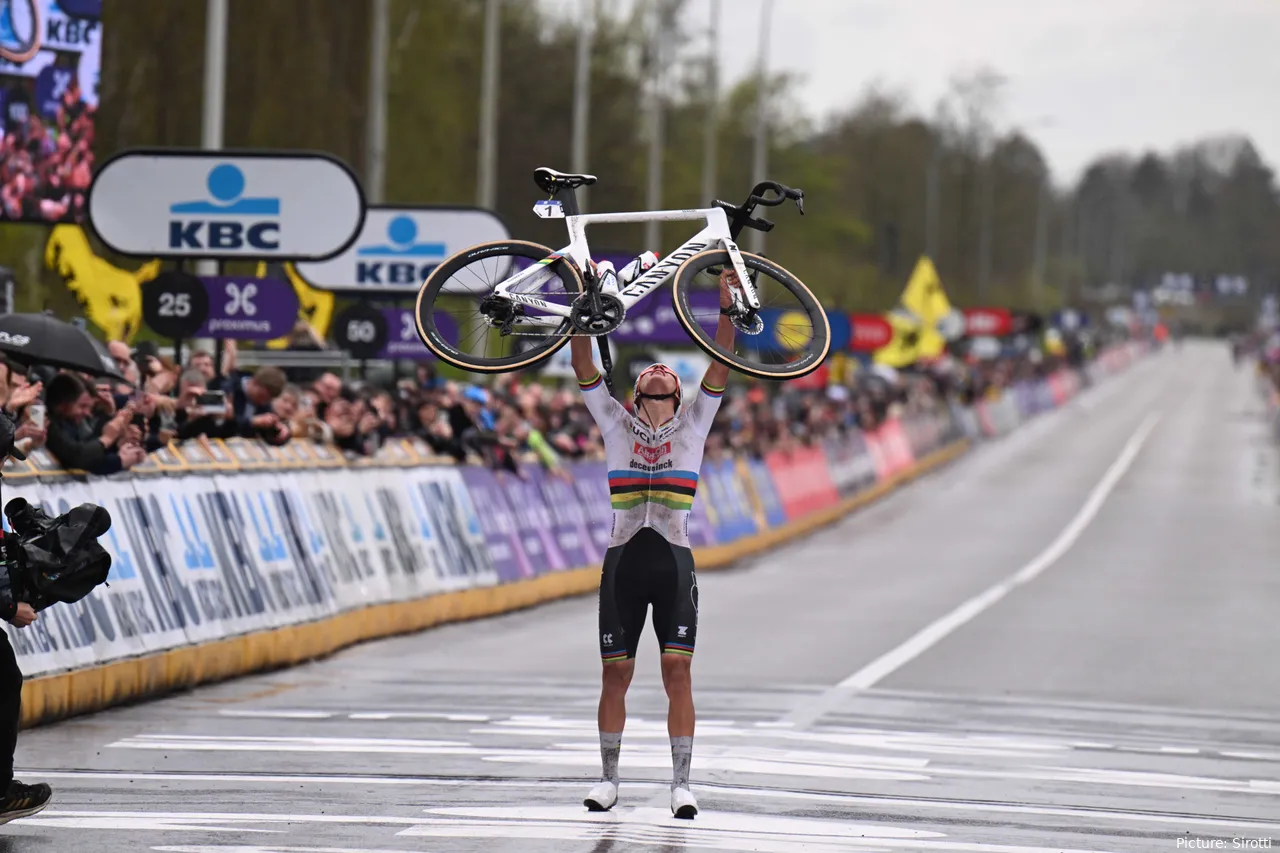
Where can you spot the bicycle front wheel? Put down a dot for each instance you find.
(453, 327)
(791, 337)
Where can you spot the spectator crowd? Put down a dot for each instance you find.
(102, 427)
(46, 166)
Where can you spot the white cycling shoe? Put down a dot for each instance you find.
(683, 804)
(602, 797)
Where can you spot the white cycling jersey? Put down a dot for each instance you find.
(653, 471)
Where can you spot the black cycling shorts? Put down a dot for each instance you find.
(647, 570)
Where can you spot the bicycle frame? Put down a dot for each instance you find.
(578, 251)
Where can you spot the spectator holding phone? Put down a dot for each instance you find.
(81, 442)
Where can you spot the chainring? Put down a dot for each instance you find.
(588, 319)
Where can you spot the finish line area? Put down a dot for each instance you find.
(1005, 656)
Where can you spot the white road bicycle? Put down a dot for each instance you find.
(509, 304)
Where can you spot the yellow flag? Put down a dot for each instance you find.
(314, 306)
(925, 298)
(110, 296)
(904, 347)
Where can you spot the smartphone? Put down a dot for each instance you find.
(212, 402)
(36, 412)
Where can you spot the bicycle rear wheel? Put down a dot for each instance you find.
(452, 326)
(793, 336)
(20, 29)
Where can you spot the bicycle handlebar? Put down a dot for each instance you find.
(741, 214)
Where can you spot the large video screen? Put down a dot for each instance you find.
(50, 52)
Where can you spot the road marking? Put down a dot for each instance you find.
(893, 660)
(278, 715)
(652, 827)
(720, 791)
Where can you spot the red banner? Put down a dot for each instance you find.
(890, 449)
(802, 479)
(1063, 385)
(897, 448)
(987, 322)
(815, 381)
(870, 332)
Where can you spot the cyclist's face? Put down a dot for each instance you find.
(657, 383)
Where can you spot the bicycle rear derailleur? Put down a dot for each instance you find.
(501, 313)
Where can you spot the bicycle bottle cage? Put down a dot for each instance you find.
(740, 216)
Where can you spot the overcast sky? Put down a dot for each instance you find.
(1084, 76)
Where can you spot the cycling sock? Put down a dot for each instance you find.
(610, 747)
(681, 758)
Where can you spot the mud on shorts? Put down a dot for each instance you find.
(648, 570)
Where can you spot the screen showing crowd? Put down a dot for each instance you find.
(50, 53)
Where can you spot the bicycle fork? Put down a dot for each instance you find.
(745, 296)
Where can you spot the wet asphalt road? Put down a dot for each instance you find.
(1065, 641)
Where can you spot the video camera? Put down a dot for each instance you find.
(51, 560)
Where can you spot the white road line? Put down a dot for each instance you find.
(931, 635)
(728, 792)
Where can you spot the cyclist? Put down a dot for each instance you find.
(653, 459)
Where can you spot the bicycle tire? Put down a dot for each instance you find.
(424, 317)
(819, 344)
(23, 51)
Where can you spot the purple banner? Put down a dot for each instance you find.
(497, 522)
(701, 531)
(533, 519)
(569, 521)
(653, 320)
(402, 334)
(249, 309)
(774, 513)
(51, 84)
(591, 483)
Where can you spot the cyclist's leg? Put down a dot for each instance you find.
(623, 607)
(675, 619)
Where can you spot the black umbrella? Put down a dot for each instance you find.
(31, 339)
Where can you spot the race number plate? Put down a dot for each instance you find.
(548, 209)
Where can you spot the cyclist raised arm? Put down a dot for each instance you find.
(717, 375)
(653, 462)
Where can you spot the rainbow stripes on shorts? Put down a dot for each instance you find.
(672, 489)
(677, 649)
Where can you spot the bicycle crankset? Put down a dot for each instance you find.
(596, 313)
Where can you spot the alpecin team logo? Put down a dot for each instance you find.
(652, 454)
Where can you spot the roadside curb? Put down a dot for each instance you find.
(55, 697)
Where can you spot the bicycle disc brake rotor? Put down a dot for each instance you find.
(589, 319)
(749, 323)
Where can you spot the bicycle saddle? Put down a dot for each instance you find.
(549, 180)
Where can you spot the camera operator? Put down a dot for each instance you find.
(16, 799)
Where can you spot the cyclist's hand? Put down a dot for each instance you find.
(728, 279)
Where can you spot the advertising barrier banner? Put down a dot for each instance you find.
(725, 499)
(803, 480)
(852, 468)
(252, 541)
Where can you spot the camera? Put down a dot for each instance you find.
(49, 560)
